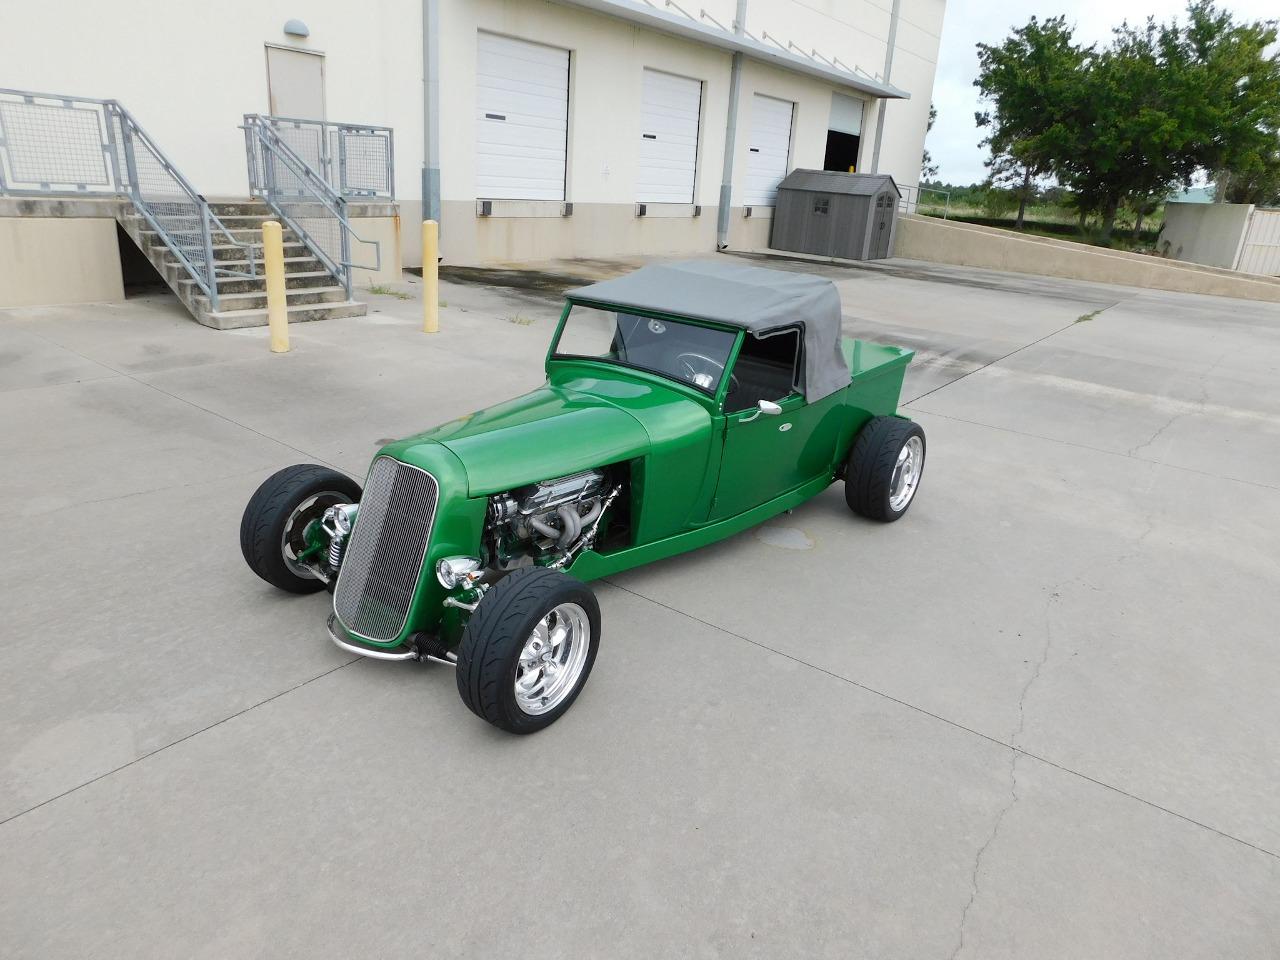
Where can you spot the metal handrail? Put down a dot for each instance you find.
(905, 204)
(56, 150)
(351, 176)
(266, 151)
(209, 220)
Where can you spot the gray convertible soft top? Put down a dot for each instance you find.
(759, 301)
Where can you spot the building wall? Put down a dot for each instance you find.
(607, 57)
(189, 72)
(49, 260)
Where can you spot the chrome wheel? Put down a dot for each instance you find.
(552, 659)
(906, 474)
(294, 540)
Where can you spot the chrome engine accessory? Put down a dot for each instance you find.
(544, 518)
(336, 522)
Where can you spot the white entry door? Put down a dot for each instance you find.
(295, 83)
(669, 111)
(769, 147)
(522, 119)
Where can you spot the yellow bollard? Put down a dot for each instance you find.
(430, 276)
(277, 306)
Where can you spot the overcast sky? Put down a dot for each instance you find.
(953, 142)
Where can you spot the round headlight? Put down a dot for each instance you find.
(451, 570)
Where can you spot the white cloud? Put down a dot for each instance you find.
(953, 142)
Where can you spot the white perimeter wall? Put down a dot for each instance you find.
(1208, 233)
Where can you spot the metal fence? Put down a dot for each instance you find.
(355, 159)
(52, 145)
(925, 200)
(302, 198)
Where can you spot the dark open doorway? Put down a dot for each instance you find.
(842, 152)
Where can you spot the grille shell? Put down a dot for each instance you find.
(384, 557)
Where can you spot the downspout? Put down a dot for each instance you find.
(431, 110)
(730, 133)
(888, 67)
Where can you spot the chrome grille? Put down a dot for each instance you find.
(380, 571)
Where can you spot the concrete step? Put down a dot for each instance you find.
(257, 300)
(303, 264)
(292, 281)
(238, 208)
(236, 319)
(227, 252)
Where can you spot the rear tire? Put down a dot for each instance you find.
(277, 516)
(884, 469)
(512, 671)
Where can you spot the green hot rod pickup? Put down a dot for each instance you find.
(684, 403)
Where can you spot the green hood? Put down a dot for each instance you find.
(548, 432)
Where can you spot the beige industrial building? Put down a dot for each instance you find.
(530, 129)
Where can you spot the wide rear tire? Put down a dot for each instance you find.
(277, 515)
(884, 469)
(528, 649)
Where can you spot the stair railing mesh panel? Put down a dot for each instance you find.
(357, 160)
(301, 197)
(54, 145)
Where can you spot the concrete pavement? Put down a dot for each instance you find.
(1035, 718)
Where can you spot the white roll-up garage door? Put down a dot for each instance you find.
(768, 149)
(669, 111)
(522, 119)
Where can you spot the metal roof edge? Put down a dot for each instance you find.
(644, 15)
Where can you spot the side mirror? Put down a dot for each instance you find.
(767, 407)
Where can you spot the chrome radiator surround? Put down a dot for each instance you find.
(386, 550)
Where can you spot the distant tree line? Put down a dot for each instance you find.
(1125, 124)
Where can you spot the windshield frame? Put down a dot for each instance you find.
(716, 396)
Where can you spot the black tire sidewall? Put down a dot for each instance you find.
(912, 430)
(872, 459)
(489, 653)
(262, 525)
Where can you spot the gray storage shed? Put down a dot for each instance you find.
(831, 214)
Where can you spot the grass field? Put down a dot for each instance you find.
(1056, 221)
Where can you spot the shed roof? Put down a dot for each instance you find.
(832, 181)
(754, 298)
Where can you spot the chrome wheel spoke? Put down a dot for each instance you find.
(906, 473)
(552, 659)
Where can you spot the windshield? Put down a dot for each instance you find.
(682, 351)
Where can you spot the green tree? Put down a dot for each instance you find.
(1130, 133)
(1230, 85)
(929, 169)
(1030, 83)
(1122, 125)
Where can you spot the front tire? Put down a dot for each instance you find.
(528, 649)
(884, 469)
(276, 518)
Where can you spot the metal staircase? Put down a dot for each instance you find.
(311, 291)
(209, 254)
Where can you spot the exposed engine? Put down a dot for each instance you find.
(553, 517)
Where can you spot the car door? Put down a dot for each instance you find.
(763, 456)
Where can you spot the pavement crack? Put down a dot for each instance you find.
(1025, 346)
(982, 852)
(1015, 751)
(955, 724)
(1201, 405)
